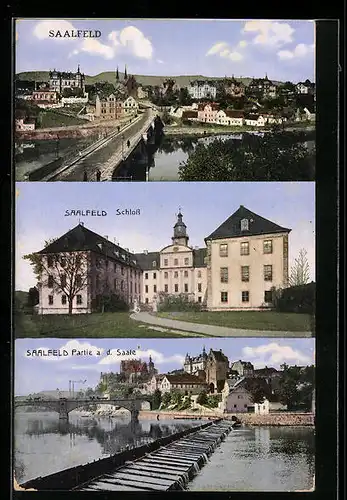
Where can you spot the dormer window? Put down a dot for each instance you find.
(154, 264)
(244, 224)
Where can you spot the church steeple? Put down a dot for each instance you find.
(180, 236)
(117, 75)
(125, 73)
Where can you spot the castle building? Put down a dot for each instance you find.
(244, 259)
(60, 80)
(192, 365)
(201, 89)
(212, 368)
(243, 368)
(135, 369)
(177, 269)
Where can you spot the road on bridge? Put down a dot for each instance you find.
(109, 156)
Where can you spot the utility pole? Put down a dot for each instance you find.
(72, 386)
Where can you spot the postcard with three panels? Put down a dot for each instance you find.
(165, 241)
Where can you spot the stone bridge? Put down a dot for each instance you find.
(64, 406)
(106, 155)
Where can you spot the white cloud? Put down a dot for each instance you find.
(222, 49)
(276, 354)
(157, 357)
(72, 347)
(301, 50)
(159, 61)
(94, 47)
(270, 33)
(133, 40)
(242, 43)
(42, 28)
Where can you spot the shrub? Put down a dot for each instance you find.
(178, 303)
(298, 299)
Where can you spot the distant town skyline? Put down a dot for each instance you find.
(167, 355)
(41, 208)
(282, 49)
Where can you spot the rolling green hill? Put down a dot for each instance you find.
(109, 76)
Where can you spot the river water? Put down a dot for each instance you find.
(250, 459)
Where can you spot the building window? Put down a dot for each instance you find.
(186, 287)
(186, 261)
(244, 273)
(199, 274)
(175, 262)
(166, 275)
(154, 264)
(146, 288)
(146, 300)
(245, 248)
(122, 270)
(186, 274)
(79, 300)
(146, 276)
(50, 300)
(199, 287)
(131, 287)
(224, 296)
(63, 280)
(166, 288)
(165, 262)
(176, 288)
(224, 276)
(122, 285)
(176, 274)
(267, 246)
(50, 281)
(63, 300)
(268, 296)
(78, 280)
(135, 287)
(155, 288)
(244, 225)
(154, 276)
(199, 299)
(268, 273)
(223, 250)
(245, 296)
(115, 267)
(114, 284)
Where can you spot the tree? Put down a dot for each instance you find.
(66, 273)
(156, 399)
(33, 297)
(288, 386)
(300, 271)
(202, 398)
(166, 399)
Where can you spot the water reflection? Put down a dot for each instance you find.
(44, 444)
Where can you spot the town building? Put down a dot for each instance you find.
(217, 367)
(44, 97)
(186, 384)
(135, 369)
(233, 87)
(142, 93)
(207, 112)
(194, 364)
(269, 405)
(153, 383)
(229, 117)
(130, 106)
(247, 255)
(243, 368)
(108, 108)
(236, 398)
(262, 87)
(255, 120)
(305, 87)
(202, 89)
(24, 126)
(190, 115)
(58, 81)
(90, 265)
(177, 269)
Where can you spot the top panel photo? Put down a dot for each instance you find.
(164, 100)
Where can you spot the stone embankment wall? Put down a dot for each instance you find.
(251, 419)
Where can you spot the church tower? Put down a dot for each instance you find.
(117, 75)
(125, 73)
(180, 236)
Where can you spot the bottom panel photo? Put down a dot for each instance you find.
(211, 414)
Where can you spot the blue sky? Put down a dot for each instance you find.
(167, 354)
(40, 209)
(285, 50)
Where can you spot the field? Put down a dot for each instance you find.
(51, 119)
(108, 325)
(247, 320)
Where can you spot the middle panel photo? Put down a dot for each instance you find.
(165, 260)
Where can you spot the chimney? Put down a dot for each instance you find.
(106, 236)
(81, 223)
(145, 252)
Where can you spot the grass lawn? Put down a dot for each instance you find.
(55, 119)
(247, 320)
(108, 325)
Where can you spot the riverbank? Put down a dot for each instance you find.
(249, 419)
(201, 131)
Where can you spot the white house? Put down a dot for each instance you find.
(20, 125)
(268, 405)
(130, 106)
(185, 383)
(200, 89)
(75, 100)
(309, 115)
(229, 117)
(302, 88)
(238, 400)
